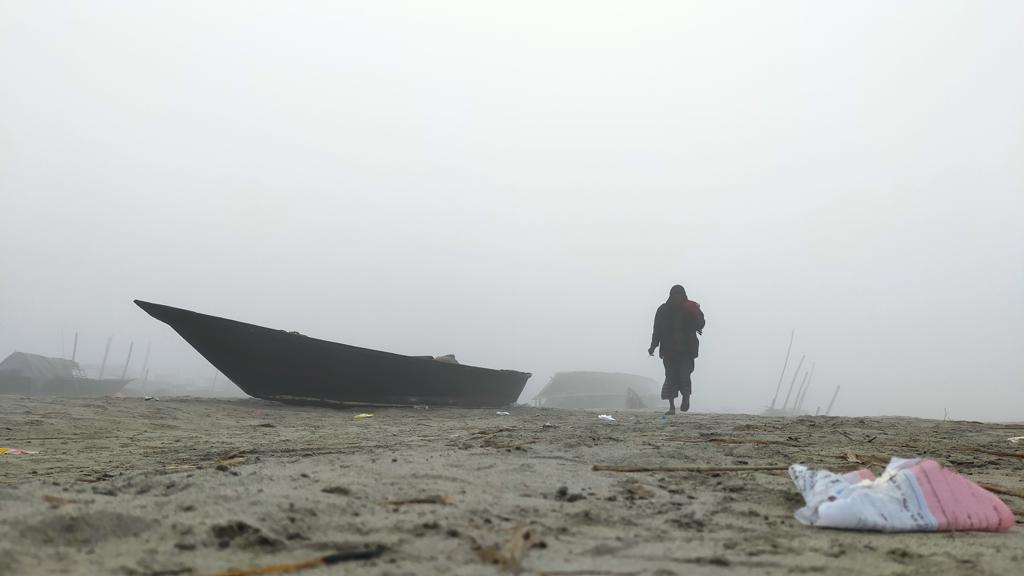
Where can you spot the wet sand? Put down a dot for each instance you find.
(198, 486)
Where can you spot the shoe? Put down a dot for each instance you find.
(670, 412)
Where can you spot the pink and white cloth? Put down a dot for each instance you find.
(912, 495)
(16, 451)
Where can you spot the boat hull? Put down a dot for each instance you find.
(290, 367)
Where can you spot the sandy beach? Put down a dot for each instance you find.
(201, 486)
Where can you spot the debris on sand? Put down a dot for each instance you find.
(437, 499)
(17, 451)
(510, 555)
(58, 501)
(243, 535)
(340, 490)
(178, 468)
(564, 495)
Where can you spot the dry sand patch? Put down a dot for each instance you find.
(192, 486)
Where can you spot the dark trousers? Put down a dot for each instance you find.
(678, 368)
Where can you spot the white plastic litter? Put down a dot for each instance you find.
(1016, 439)
(912, 495)
(606, 418)
(504, 414)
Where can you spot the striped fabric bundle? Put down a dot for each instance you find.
(913, 495)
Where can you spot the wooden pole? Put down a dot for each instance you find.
(800, 401)
(784, 365)
(833, 401)
(74, 348)
(792, 382)
(810, 377)
(145, 363)
(799, 390)
(103, 365)
(799, 393)
(128, 361)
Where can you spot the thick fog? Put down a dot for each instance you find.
(520, 183)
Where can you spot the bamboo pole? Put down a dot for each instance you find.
(145, 363)
(799, 391)
(74, 348)
(103, 365)
(778, 387)
(793, 381)
(833, 401)
(800, 405)
(128, 360)
(810, 377)
(800, 395)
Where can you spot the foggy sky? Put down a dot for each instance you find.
(520, 183)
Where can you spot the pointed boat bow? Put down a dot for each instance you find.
(291, 367)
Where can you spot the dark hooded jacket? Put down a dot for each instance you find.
(676, 324)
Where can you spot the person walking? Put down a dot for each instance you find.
(676, 325)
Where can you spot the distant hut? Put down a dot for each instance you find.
(34, 375)
(599, 391)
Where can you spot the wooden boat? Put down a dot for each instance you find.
(35, 375)
(599, 391)
(290, 367)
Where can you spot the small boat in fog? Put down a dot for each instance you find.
(599, 391)
(293, 368)
(27, 374)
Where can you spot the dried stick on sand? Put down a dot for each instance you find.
(724, 440)
(335, 558)
(614, 468)
(1000, 453)
(442, 500)
(1001, 490)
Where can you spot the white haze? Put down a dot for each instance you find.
(520, 183)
